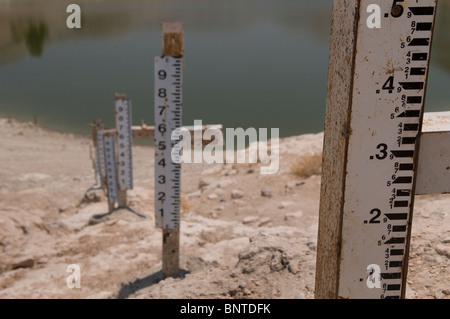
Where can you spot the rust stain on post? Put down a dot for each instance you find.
(436, 122)
(111, 132)
(172, 36)
(118, 96)
(171, 253)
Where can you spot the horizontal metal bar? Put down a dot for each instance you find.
(149, 131)
(433, 171)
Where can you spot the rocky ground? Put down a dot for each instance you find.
(243, 234)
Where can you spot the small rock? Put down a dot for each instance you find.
(266, 193)
(232, 291)
(250, 220)
(111, 222)
(293, 267)
(446, 240)
(91, 197)
(202, 184)
(23, 263)
(236, 194)
(122, 222)
(443, 250)
(425, 215)
(311, 245)
(220, 208)
(100, 295)
(264, 221)
(277, 263)
(283, 205)
(446, 292)
(63, 208)
(247, 292)
(289, 185)
(299, 295)
(250, 171)
(224, 183)
(212, 196)
(290, 216)
(34, 177)
(212, 170)
(218, 191)
(439, 295)
(213, 214)
(230, 172)
(194, 194)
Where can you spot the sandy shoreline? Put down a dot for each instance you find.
(260, 244)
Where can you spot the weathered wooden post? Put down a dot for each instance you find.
(378, 68)
(168, 107)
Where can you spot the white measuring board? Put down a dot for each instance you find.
(100, 154)
(391, 69)
(168, 106)
(98, 178)
(124, 142)
(111, 168)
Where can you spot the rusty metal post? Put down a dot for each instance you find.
(121, 198)
(172, 37)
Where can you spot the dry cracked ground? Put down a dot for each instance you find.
(243, 234)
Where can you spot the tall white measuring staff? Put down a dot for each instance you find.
(109, 146)
(124, 147)
(168, 106)
(379, 63)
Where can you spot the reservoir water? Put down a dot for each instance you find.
(248, 63)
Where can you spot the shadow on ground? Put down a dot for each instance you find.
(141, 283)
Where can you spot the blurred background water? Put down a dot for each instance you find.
(249, 63)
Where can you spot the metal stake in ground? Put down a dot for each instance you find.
(124, 147)
(99, 154)
(376, 92)
(111, 168)
(168, 106)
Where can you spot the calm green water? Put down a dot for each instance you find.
(249, 63)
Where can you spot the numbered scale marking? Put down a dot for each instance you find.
(98, 178)
(124, 142)
(388, 103)
(100, 155)
(168, 105)
(110, 160)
